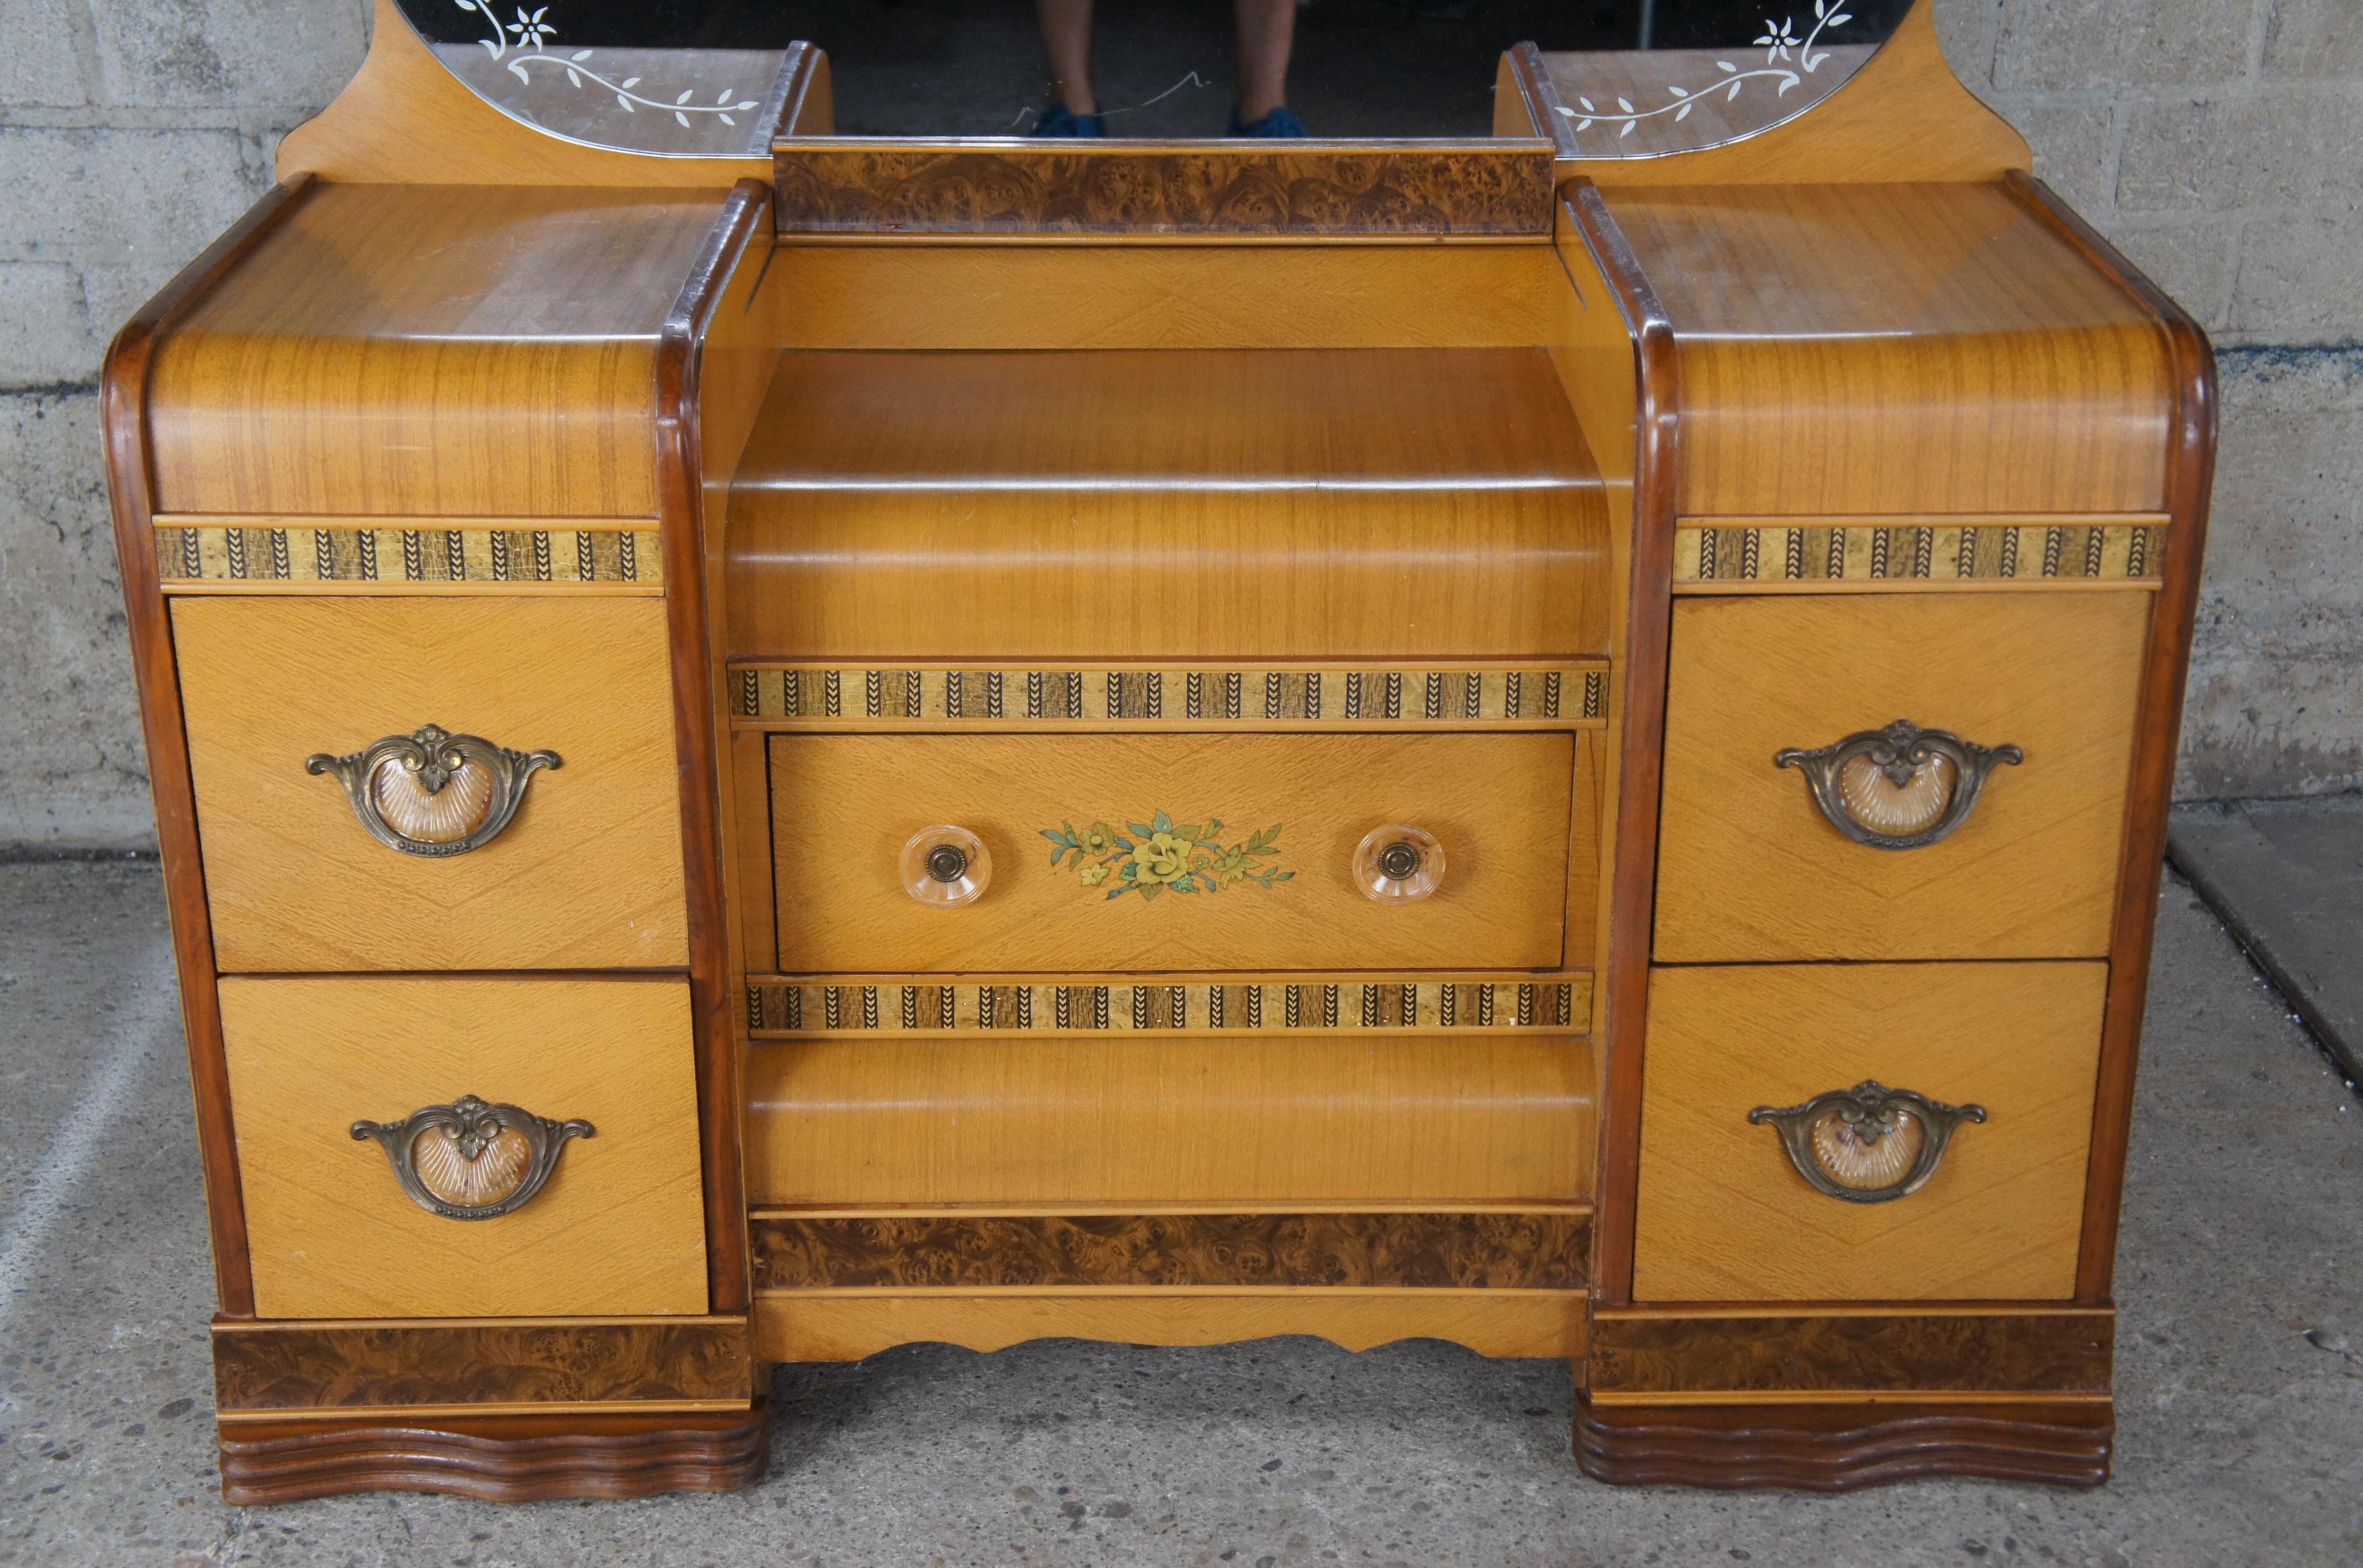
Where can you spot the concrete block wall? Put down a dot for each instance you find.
(2219, 142)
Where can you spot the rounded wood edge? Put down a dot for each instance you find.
(497, 1459)
(1839, 1448)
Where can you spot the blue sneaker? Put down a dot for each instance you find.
(1058, 121)
(1278, 123)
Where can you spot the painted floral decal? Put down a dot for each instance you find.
(1160, 856)
(529, 32)
(1783, 48)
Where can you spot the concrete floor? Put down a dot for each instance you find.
(2239, 1371)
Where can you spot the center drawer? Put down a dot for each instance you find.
(1173, 852)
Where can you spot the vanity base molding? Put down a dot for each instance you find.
(1838, 1448)
(496, 1459)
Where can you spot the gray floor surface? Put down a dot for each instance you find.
(2240, 1367)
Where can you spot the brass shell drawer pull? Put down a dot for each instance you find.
(1866, 1144)
(431, 793)
(472, 1160)
(946, 865)
(1898, 788)
(1398, 861)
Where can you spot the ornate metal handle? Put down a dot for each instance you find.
(1398, 861)
(431, 793)
(1899, 787)
(946, 865)
(469, 1160)
(1866, 1144)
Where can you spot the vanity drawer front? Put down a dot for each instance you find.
(1276, 819)
(616, 1228)
(1724, 1213)
(586, 874)
(1750, 868)
(1145, 1123)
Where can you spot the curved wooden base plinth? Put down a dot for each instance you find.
(499, 1458)
(1836, 1448)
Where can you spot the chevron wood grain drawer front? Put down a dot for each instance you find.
(587, 871)
(599, 1210)
(1175, 852)
(2042, 686)
(1727, 1214)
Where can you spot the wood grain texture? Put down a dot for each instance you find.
(588, 875)
(1154, 296)
(1530, 1250)
(1600, 258)
(839, 1326)
(1902, 116)
(321, 1366)
(496, 1459)
(1357, 502)
(843, 806)
(1838, 1447)
(1666, 1358)
(417, 350)
(916, 188)
(2190, 482)
(617, 1230)
(405, 119)
(717, 291)
(123, 396)
(1723, 1215)
(1749, 869)
(1150, 1123)
(1930, 348)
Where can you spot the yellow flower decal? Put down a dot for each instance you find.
(1160, 855)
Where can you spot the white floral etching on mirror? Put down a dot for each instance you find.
(1613, 91)
(530, 31)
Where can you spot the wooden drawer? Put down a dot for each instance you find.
(587, 873)
(1724, 1214)
(617, 1229)
(844, 806)
(1750, 869)
(1151, 1122)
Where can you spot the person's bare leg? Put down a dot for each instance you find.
(1067, 48)
(1267, 31)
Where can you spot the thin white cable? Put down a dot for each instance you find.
(154, 1011)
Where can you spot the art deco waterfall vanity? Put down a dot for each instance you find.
(775, 744)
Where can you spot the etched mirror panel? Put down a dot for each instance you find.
(704, 78)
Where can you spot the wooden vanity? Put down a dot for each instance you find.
(764, 754)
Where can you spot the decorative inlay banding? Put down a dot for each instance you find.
(799, 1007)
(520, 557)
(794, 696)
(1923, 553)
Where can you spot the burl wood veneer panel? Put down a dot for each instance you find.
(1147, 1122)
(1640, 1355)
(587, 875)
(1723, 1215)
(429, 350)
(843, 807)
(325, 1366)
(619, 1228)
(1749, 869)
(1315, 503)
(1527, 1250)
(1898, 348)
(1210, 190)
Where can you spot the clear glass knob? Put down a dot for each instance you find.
(1398, 861)
(946, 865)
